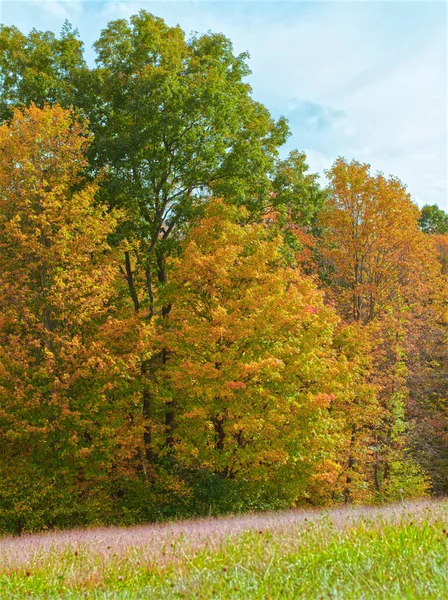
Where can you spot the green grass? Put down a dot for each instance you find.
(368, 556)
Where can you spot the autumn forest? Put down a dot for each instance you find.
(191, 322)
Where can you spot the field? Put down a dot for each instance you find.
(398, 551)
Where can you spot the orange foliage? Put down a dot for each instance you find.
(251, 369)
(61, 387)
(383, 274)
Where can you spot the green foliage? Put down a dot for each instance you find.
(39, 68)
(433, 220)
(173, 121)
(296, 193)
(406, 480)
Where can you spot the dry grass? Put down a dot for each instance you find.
(158, 540)
(185, 555)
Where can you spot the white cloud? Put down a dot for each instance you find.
(376, 71)
(40, 14)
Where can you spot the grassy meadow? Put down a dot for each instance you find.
(397, 551)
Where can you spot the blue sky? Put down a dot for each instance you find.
(364, 80)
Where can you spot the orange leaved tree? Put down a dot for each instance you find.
(63, 411)
(382, 272)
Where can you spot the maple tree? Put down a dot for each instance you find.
(382, 271)
(251, 364)
(428, 378)
(62, 401)
(373, 249)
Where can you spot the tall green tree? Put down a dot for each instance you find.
(174, 120)
(39, 67)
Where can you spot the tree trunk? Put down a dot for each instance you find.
(130, 279)
(350, 465)
(218, 424)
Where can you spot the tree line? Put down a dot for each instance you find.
(189, 323)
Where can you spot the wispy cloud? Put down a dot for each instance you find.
(365, 80)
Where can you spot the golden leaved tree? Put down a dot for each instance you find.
(428, 378)
(251, 364)
(65, 395)
(382, 272)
